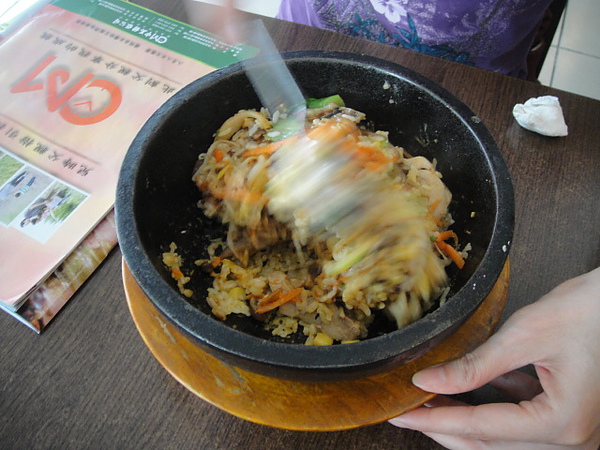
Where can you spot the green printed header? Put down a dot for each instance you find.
(160, 30)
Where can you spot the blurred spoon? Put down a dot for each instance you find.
(272, 80)
(312, 182)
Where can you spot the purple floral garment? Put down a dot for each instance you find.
(491, 34)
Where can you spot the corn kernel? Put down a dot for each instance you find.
(322, 339)
(237, 294)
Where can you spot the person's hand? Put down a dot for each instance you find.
(560, 336)
(226, 22)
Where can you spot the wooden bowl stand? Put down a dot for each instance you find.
(298, 405)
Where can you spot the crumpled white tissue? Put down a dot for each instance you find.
(542, 115)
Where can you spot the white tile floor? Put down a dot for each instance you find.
(572, 63)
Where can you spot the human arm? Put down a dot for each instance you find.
(225, 21)
(560, 336)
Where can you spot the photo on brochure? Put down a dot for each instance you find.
(32, 201)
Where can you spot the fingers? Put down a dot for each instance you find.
(455, 442)
(518, 343)
(464, 374)
(517, 385)
(509, 349)
(560, 407)
(442, 400)
(526, 422)
(514, 386)
(460, 443)
(225, 22)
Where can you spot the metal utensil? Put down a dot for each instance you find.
(309, 183)
(272, 80)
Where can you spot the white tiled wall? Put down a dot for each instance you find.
(572, 63)
(263, 7)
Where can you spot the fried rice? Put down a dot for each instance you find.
(326, 284)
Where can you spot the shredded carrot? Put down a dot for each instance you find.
(367, 156)
(177, 273)
(277, 298)
(374, 166)
(269, 148)
(448, 234)
(216, 261)
(432, 208)
(372, 153)
(453, 254)
(345, 133)
(332, 131)
(218, 154)
(448, 250)
(434, 205)
(237, 195)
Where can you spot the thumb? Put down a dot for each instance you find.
(492, 359)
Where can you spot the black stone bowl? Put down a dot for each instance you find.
(156, 205)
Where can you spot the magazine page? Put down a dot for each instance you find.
(45, 302)
(91, 75)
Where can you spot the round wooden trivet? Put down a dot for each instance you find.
(296, 405)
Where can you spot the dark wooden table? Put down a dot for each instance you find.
(90, 382)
